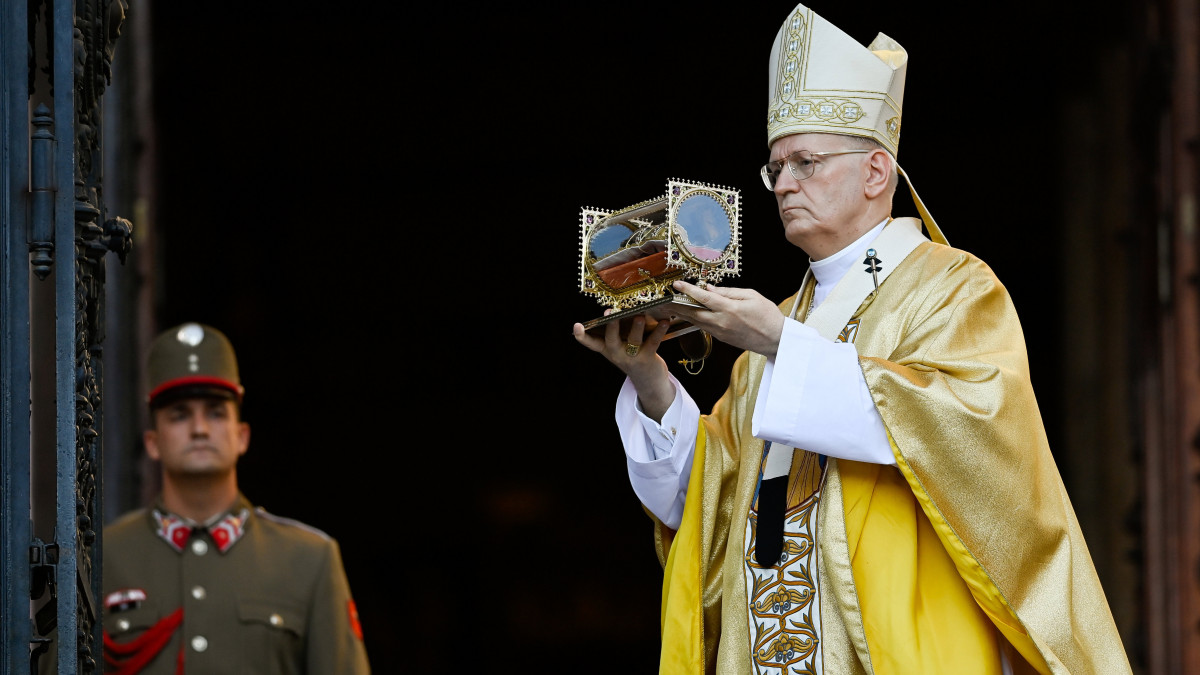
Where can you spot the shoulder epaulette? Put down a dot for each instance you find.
(263, 513)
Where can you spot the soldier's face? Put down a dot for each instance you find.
(197, 436)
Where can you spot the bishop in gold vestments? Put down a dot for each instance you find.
(949, 544)
(917, 562)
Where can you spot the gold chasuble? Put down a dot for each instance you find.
(969, 547)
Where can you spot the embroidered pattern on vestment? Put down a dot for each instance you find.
(849, 332)
(784, 608)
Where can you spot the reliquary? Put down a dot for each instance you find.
(630, 257)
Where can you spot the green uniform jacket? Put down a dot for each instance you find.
(276, 601)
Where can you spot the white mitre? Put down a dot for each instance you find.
(823, 81)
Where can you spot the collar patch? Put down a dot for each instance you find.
(229, 529)
(225, 532)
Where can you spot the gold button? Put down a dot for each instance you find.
(199, 547)
(199, 643)
(198, 593)
(276, 620)
(123, 625)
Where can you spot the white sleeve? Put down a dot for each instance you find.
(659, 455)
(814, 396)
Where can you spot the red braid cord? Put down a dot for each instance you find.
(131, 657)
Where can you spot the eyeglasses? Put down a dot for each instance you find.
(801, 163)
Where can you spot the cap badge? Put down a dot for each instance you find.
(190, 334)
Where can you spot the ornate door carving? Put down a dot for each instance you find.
(56, 60)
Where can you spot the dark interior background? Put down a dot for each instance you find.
(380, 207)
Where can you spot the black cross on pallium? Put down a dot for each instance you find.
(873, 266)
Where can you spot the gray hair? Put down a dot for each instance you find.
(865, 143)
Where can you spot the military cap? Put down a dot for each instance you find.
(192, 360)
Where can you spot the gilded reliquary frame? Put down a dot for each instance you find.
(630, 257)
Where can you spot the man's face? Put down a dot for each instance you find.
(197, 436)
(820, 211)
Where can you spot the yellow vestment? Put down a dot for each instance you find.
(918, 563)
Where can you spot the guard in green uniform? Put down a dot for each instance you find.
(203, 582)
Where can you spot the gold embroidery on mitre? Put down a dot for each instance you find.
(823, 81)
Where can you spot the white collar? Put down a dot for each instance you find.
(829, 271)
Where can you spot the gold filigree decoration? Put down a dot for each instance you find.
(793, 63)
(784, 611)
(893, 128)
(632, 256)
(827, 110)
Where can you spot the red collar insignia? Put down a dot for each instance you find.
(172, 529)
(229, 529)
(225, 532)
